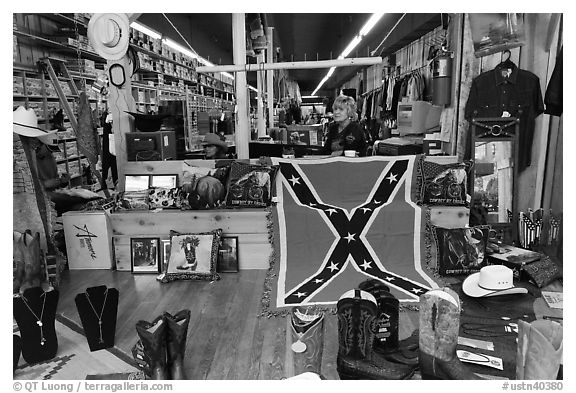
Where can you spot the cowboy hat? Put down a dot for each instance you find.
(213, 139)
(25, 123)
(493, 280)
(109, 35)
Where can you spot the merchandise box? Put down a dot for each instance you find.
(88, 240)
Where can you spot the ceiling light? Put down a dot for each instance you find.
(309, 96)
(355, 41)
(180, 48)
(146, 30)
(371, 23)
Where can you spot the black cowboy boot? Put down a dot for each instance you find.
(153, 337)
(177, 329)
(439, 326)
(357, 312)
(307, 340)
(386, 335)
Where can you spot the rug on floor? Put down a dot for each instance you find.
(74, 359)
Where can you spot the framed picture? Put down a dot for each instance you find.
(228, 255)
(493, 33)
(165, 253)
(144, 182)
(137, 182)
(164, 181)
(145, 252)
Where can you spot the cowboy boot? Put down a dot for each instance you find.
(357, 311)
(439, 326)
(408, 351)
(539, 353)
(18, 257)
(177, 329)
(31, 253)
(307, 338)
(153, 337)
(386, 336)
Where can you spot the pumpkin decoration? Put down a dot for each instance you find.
(204, 192)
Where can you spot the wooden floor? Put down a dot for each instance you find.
(226, 339)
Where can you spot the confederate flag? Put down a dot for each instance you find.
(341, 221)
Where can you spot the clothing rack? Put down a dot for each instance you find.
(411, 71)
(371, 91)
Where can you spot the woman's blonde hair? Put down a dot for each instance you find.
(349, 104)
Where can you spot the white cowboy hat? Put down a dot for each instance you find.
(493, 280)
(109, 35)
(26, 123)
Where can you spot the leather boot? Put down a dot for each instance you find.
(439, 326)
(307, 340)
(357, 312)
(539, 352)
(386, 335)
(153, 337)
(18, 257)
(177, 329)
(31, 253)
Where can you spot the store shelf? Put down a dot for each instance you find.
(66, 20)
(33, 40)
(159, 56)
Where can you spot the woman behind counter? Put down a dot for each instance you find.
(345, 133)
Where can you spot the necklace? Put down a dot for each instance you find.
(38, 320)
(99, 316)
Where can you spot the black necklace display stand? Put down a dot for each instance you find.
(41, 306)
(101, 302)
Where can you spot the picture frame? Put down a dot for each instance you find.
(165, 253)
(228, 255)
(145, 255)
(144, 182)
(493, 33)
(164, 181)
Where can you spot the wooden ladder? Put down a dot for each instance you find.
(47, 63)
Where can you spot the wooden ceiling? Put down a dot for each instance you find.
(297, 37)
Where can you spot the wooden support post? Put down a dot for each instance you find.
(239, 52)
(261, 86)
(120, 100)
(270, 75)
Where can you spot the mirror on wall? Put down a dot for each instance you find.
(494, 179)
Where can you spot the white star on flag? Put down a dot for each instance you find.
(350, 237)
(389, 278)
(377, 202)
(318, 280)
(392, 178)
(416, 290)
(332, 210)
(332, 267)
(366, 209)
(300, 294)
(294, 180)
(312, 204)
(366, 265)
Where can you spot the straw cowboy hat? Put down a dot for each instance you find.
(213, 139)
(492, 280)
(26, 123)
(109, 35)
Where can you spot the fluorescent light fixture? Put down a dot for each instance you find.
(146, 30)
(253, 88)
(180, 48)
(370, 24)
(309, 96)
(355, 41)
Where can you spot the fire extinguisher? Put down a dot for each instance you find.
(442, 78)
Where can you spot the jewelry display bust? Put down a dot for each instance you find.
(98, 307)
(35, 313)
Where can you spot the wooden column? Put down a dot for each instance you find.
(261, 86)
(120, 100)
(270, 75)
(242, 123)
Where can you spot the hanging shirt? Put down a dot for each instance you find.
(518, 93)
(553, 95)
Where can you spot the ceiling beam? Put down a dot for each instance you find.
(358, 61)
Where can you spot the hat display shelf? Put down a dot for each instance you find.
(494, 175)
